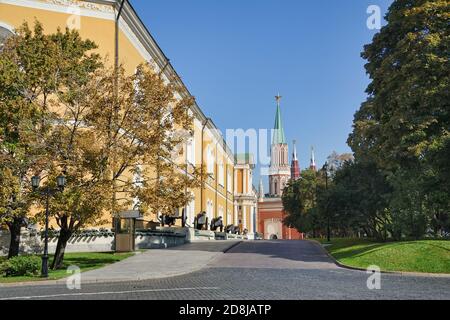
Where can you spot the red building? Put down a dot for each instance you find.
(270, 218)
(270, 206)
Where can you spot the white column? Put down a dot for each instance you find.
(257, 220)
(244, 218)
(249, 182)
(252, 217)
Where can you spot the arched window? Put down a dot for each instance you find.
(190, 210)
(229, 181)
(221, 173)
(191, 151)
(210, 159)
(5, 33)
(229, 218)
(209, 210)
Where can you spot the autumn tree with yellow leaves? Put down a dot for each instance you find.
(117, 138)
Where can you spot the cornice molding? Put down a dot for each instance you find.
(91, 5)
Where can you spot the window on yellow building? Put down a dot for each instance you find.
(221, 173)
(209, 210)
(229, 181)
(190, 211)
(4, 34)
(210, 159)
(190, 151)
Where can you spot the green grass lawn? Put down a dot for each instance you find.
(428, 256)
(85, 261)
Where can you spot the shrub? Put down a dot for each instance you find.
(21, 266)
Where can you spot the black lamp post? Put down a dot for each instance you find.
(47, 192)
(325, 168)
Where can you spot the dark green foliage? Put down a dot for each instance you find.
(399, 185)
(299, 201)
(21, 266)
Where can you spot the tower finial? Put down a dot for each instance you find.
(278, 134)
(295, 167)
(294, 154)
(278, 98)
(313, 160)
(261, 190)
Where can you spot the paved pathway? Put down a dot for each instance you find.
(276, 255)
(279, 270)
(153, 264)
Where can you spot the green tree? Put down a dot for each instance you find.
(407, 110)
(72, 145)
(142, 136)
(165, 177)
(359, 198)
(294, 206)
(403, 127)
(299, 202)
(28, 78)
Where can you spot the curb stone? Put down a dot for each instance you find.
(232, 247)
(398, 273)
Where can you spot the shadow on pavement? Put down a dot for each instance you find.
(294, 250)
(206, 246)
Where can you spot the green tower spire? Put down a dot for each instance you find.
(278, 135)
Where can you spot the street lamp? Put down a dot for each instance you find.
(47, 192)
(325, 168)
(61, 182)
(35, 182)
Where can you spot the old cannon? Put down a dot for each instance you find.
(170, 220)
(216, 224)
(201, 221)
(166, 220)
(231, 229)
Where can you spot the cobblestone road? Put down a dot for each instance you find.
(279, 270)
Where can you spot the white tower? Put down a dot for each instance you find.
(280, 171)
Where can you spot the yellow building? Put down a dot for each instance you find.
(227, 191)
(245, 194)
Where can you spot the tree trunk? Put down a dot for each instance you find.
(14, 244)
(58, 260)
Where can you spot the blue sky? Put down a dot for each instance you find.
(236, 55)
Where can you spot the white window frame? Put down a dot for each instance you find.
(7, 27)
(229, 181)
(229, 217)
(221, 173)
(209, 210)
(210, 160)
(190, 210)
(190, 151)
